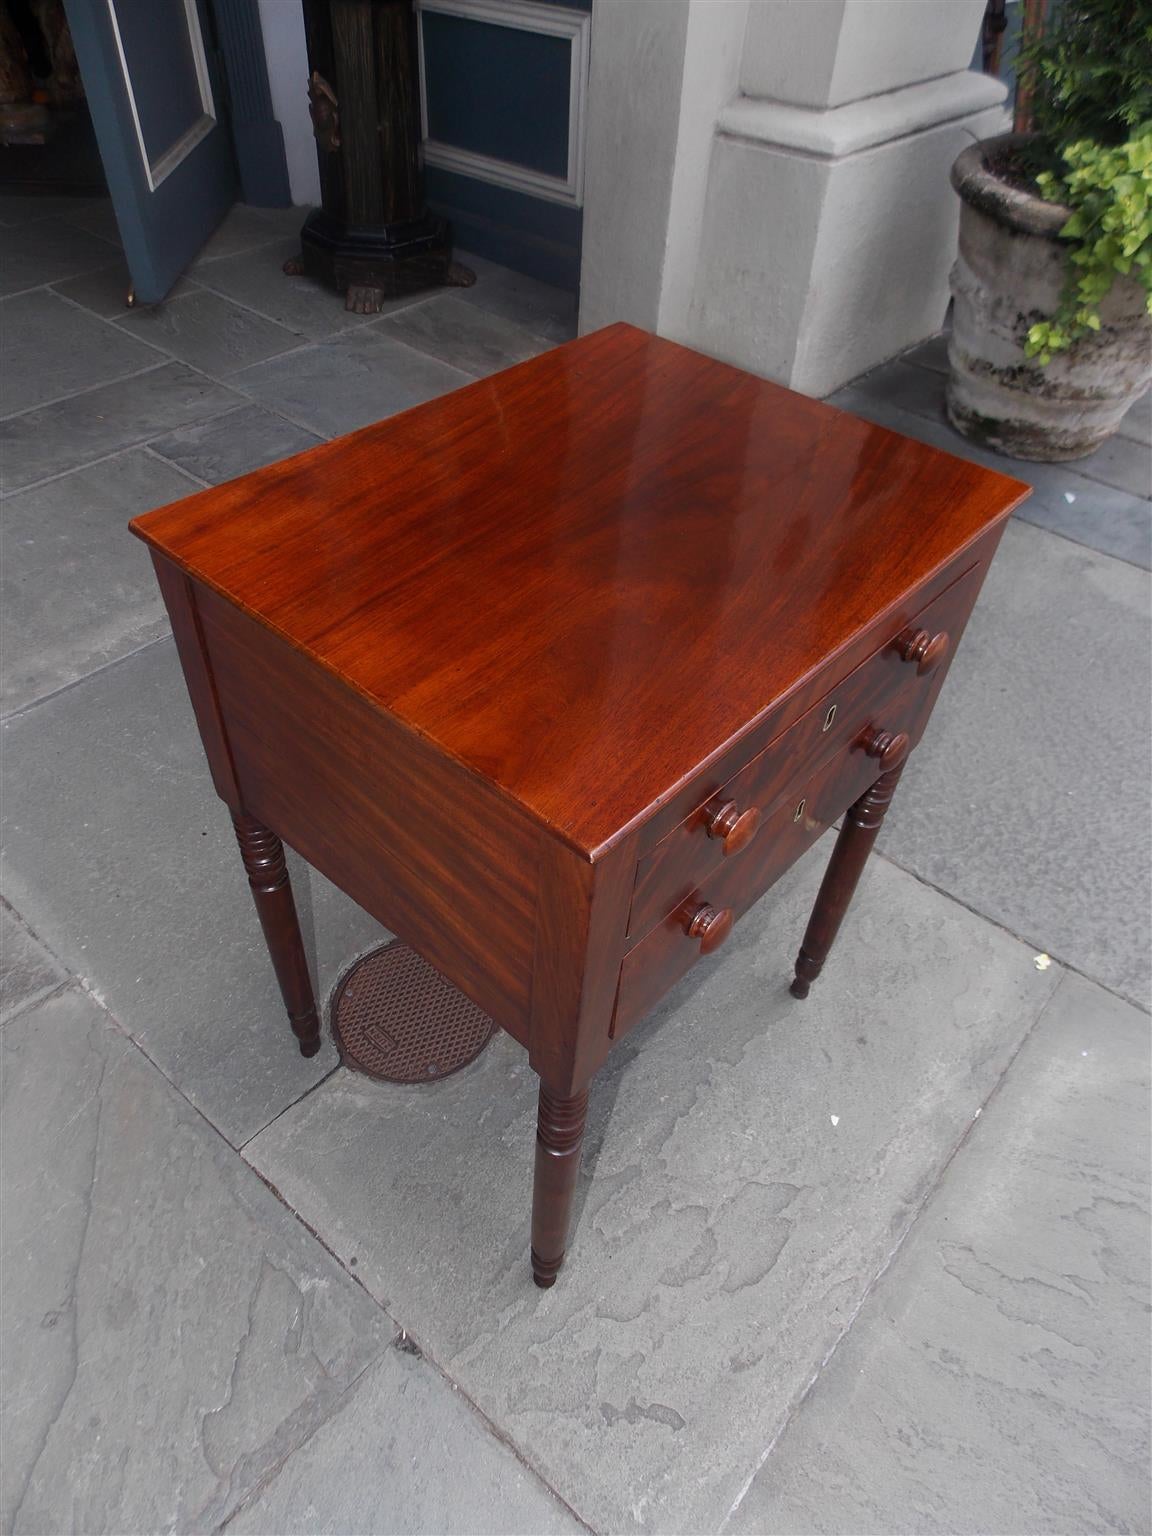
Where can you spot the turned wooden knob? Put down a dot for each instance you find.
(735, 828)
(711, 925)
(886, 748)
(926, 650)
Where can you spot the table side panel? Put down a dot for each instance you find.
(434, 854)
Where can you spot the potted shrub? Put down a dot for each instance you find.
(1052, 317)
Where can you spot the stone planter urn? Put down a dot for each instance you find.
(1009, 274)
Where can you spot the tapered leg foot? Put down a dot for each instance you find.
(849, 856)
(263, 855)
(559, 1136)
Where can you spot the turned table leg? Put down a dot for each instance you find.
(559, 1135)
(263, 855)
(861, 824)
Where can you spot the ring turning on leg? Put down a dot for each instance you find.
(854, 844)
(559, 1135)
(263, 855)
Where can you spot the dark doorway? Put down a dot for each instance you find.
(47, 142)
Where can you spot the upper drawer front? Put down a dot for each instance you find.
(884, 692)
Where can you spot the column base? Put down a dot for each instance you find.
(829, 235)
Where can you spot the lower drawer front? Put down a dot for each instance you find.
(659, 960)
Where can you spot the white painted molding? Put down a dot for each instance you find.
(179, 150)
(156, 170)
(525, 16)
(286, 55)
(840, 131)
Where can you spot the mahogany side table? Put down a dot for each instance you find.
(556, 675)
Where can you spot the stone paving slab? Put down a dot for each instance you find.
(105, 291)
(169, 1332)
(98, 217)
(1123, 462)
(52, 349)
(1063, 500)
(120, 855)
(76, 589)
(463, 335)
(751, 1163)
(537, 307)
(406, 1454)
(209, 332)
(997, 1379)
(1138, 422)
(932, 353)
(243, 229)
(55, 438)
(27, 971)
(351, 381)
(256, 279)
(47, 250)
(1028, 797)
(233, 444)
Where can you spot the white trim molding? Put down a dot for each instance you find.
(155, 171)
(834, 132)
(554, 21)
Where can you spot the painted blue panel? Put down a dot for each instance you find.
(498, 91)
(526, 233)
(163, 230)
(154, 35)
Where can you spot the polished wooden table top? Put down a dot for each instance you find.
(586, 577)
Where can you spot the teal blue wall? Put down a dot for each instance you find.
(503, 92)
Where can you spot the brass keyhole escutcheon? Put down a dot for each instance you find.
(798, 813)
(829, 717)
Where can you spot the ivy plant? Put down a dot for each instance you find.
(1090, 71)
(1109, 189)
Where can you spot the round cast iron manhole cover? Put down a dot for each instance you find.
(395, 1018)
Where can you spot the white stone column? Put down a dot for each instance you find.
(630, 148)
(786, 205)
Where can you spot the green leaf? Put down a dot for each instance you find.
(1107, 186)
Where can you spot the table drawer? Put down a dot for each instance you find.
(807, 809)
(885, 691)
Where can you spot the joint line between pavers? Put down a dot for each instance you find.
(115, 324)
(78, 682)
(1020, 938)
(162, 361)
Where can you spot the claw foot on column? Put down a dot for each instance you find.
(361, 299)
